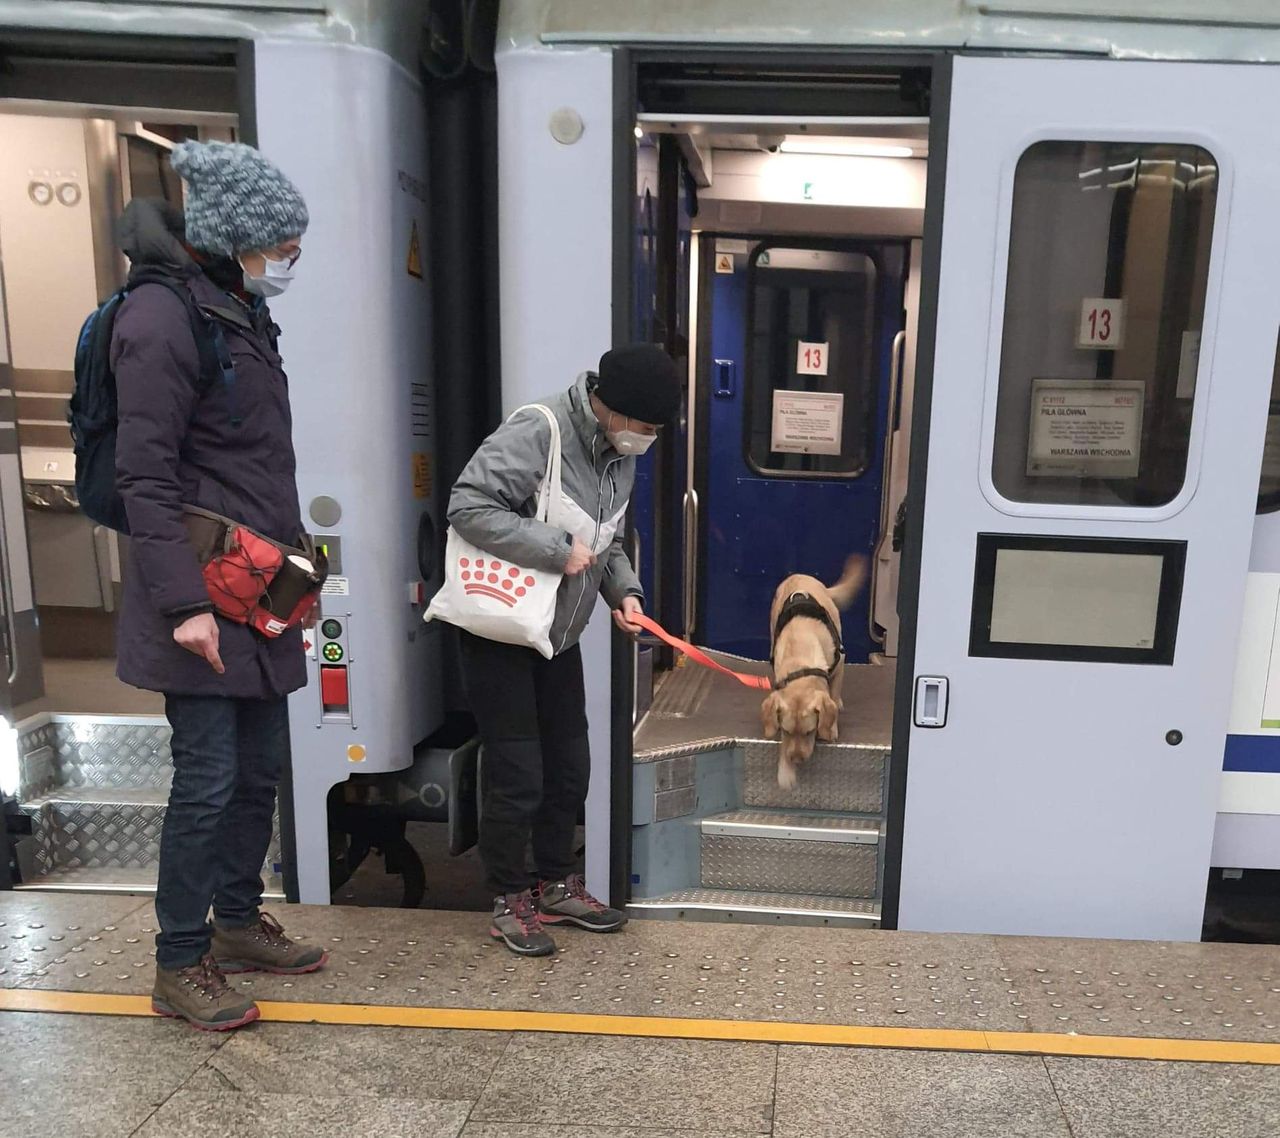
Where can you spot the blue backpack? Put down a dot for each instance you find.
(95, 414)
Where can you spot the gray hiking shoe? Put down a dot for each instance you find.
(517, 925)
(264, 947)
(568, 902)
(200, 995)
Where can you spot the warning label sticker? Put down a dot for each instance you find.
(421, 475)
(336, 587)
(415, 253)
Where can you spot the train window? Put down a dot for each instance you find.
(811, 362)
(1104, 303)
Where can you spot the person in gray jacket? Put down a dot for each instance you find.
(531, 711)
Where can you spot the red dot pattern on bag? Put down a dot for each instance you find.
(483, 575)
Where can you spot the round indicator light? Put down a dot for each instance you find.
(332, 652)
(332, 629)
(356, 753)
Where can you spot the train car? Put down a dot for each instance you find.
(976, 292)
(91, 104)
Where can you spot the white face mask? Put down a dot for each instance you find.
(274, 280)
(629, 442)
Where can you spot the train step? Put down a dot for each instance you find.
(844, 778)
(139, 880)
(792, 852)
(95, 789)
(752, 907)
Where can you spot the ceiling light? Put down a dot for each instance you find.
(845, 147)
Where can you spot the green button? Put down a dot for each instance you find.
(332, 652)
(332, 629)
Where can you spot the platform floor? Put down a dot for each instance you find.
(421, 1026)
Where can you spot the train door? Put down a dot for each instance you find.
(803, 336)
(803, 232)
(1101, 366)
(85, 756)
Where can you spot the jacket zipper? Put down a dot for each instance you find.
(582, 592)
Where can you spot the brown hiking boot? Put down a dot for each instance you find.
(263, 947)
(200, 995)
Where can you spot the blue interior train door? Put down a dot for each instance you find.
(795, 374)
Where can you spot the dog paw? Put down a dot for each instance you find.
(786, 776)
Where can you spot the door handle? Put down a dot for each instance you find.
(886, 477)
(690, 562)
(635, 640)
(726, 372)
(932, 697)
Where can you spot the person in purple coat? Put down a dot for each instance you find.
(226, 447)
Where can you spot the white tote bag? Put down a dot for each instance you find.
(497, 598)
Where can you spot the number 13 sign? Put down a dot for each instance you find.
(1101, 324)
(811, 358)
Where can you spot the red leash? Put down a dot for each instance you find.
(697, 655)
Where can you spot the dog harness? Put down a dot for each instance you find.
(802, 604)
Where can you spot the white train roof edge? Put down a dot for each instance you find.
(392, 27)
(1139, 29)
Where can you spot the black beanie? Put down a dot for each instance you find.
(640, 381)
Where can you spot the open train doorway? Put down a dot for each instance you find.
(93, 767)
(779, 256)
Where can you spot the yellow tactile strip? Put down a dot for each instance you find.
(829, 1035)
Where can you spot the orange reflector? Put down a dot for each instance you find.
(356, 753)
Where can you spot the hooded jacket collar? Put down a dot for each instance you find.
(589, 428)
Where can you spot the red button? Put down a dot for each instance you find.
(333, 689)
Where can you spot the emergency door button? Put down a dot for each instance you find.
(334, 693)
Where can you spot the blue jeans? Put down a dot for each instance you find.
(228, 755)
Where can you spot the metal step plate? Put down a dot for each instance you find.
(114, 830)
(752, 907)
(787, 865)
(103, 879)
(837, 777)
(811, 827)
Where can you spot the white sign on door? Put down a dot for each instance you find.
(1101, 324)
(1087, 428)
(724, 262)
(811, 358)
(807, 422)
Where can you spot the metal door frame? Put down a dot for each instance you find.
(627, 62)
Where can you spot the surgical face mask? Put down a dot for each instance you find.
(629, 442)
(274, 280)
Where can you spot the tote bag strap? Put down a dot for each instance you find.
(549, 493)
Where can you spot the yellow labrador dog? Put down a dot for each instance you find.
(808, 664)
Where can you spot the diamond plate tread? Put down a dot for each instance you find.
(843, 779)
(108, 830)
(811, 826)
(106, 879)
(101, 796)
(762, 903)
(681, 693)
(785, 865)
(134, 753)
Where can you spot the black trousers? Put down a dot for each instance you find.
(533, 724)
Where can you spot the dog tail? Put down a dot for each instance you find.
(854, 579)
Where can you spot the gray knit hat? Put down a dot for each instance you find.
(237, 201)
